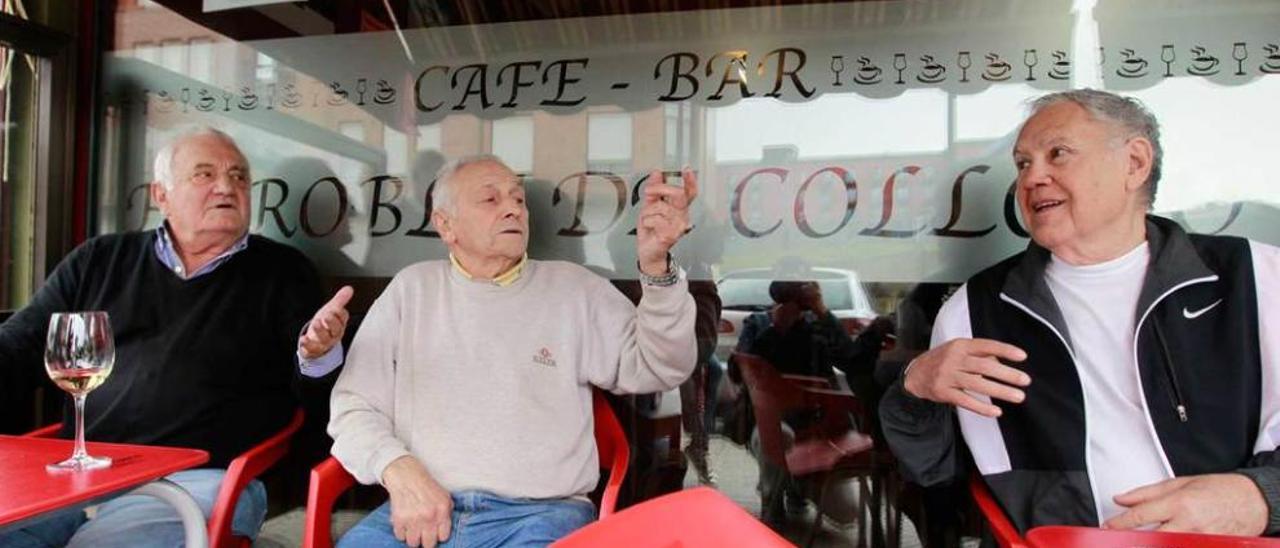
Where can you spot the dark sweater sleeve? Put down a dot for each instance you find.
(1264, 470)
(22, 336)
(922, 435)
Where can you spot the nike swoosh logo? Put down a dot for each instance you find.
(1193, 315)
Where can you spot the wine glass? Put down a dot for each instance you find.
(78, 356)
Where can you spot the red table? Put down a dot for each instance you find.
(28, 490)
(1058, 536)
(693, 517)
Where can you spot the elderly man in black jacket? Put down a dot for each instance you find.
(1119, 372)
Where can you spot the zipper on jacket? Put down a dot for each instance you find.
(1179, 404)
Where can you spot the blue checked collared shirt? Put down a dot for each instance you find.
(168, 256)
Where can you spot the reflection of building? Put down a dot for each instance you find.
(881, 110)
(546, 147)
(170, 52)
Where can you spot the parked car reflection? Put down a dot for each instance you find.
(745, 291)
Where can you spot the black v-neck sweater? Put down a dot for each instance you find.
(207, 362)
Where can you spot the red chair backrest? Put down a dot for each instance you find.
(1002, 529)
(329, 479)
(240, 472)
(615, 453)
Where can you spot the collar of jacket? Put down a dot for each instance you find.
(1173, 261)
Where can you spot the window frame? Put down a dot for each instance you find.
(54, 138)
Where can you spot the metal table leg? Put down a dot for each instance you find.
(193, 522)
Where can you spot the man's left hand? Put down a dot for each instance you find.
(664, 218)
(1225, 504)
(327, 327)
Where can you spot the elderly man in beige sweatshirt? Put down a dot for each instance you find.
(467, 390)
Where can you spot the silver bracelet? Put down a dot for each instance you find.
(665, 280)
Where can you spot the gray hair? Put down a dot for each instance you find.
(1127, 113)
(163, 166)
(442, 193)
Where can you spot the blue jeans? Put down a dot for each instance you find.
(484, 519)
(142, 520)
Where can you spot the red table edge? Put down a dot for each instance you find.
(175, 459)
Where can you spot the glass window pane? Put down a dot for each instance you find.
(201, 60)
(609, 142)
(513, 142)
(173, 56)
(19, 92)
(354, 130)
(396, 145)
(429, 137)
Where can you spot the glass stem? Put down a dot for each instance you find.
(79, 453)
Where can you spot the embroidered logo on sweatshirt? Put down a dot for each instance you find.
(543, 357)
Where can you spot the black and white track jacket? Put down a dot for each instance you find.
(1207, 353)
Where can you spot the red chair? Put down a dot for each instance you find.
(329, 479)
(245, 468)
(1002, 529)
(694, 517)
(830, 449)
(45, 432)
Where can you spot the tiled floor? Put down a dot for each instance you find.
(736, 471)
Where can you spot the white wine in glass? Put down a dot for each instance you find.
(78, 356)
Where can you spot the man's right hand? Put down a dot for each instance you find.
(421, 510)
(949, 373)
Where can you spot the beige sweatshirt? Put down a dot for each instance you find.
(489, 387)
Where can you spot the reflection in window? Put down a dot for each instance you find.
(512, 140)
(677, 127)
(266, 68)
(1195, 115)
(354, 130)
(173, 56)
(609, 142)
(833, 126)
(201, 60)
(994, 114)
(429, 137)
(396, 145)
(146, 51)
(748, 289)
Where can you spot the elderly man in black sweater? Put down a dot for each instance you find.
(214, 329)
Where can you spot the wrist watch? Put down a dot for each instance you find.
(665, 280)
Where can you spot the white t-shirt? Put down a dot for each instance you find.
(1099, 305)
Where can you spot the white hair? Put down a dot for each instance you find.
(163, 166)
(442, 193)
(1126, 114)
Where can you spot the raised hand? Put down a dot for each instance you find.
(664, 218)
(327, 326)
(953, 372)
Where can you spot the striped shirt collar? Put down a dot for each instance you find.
(168, 254)
(501, 280)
